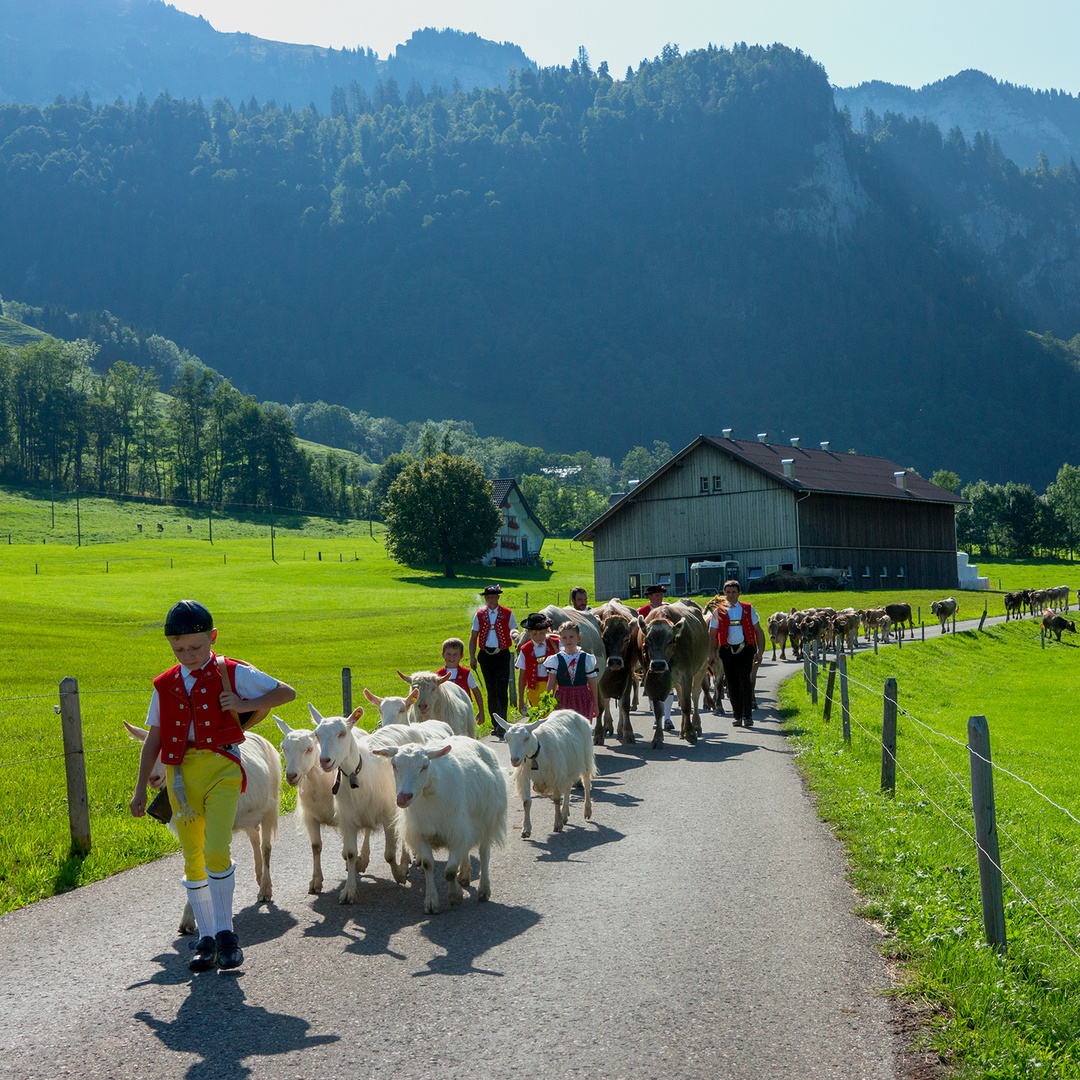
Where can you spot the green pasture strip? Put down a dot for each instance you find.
(1012, 1016)
(16, 334)
(298, 618)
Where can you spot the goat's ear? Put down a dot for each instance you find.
(354, 716)
(441, 752)
(315, 714)
(386, 751)
(282, 726)
(443, 678)
(413, 695)
(535, 724)
(376, 701)
(403, 676)
(136, 732)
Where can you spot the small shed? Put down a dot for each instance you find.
(768, 508)
(522, 533)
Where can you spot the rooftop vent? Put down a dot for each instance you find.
(795, 442)
(789, 468)
(727, 433)
(762, 436)
(632, 483)
(825, 447)
(901, 480)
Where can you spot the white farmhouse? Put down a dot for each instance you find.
(522, 533)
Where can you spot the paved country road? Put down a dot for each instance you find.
(700, 926)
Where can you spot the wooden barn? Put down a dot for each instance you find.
(768, 508)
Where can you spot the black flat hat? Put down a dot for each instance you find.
(650, 589)
(188, 617)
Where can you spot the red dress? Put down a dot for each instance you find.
(572, 690)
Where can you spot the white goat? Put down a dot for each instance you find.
(439, 699)
(256, 812)
(393, 710)
(551, 755)
(364, 795)
(451, 796)
(314, 794)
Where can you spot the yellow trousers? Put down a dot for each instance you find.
(534, 695)
(212, 787)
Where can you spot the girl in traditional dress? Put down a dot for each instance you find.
(572, 674)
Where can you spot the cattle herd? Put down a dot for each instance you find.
(428, 783)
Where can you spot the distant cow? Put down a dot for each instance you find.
(138, 525)
(778, 633)
(944, 610)
(901, 614)
(160, 527)
(189, 528)
(1055, 624)
(1014, 604)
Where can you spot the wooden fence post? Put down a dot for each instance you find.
(875, 641)
(829, 688)
(981, 621)
(75, 766)
(806, 667)
(986, 837)
(346, 691)
(814, 676)
(888, 739)
(845, 712)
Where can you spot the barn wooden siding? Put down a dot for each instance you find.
(913, 542)
(672, 522)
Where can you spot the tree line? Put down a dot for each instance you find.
(201, 441)
(665, 236)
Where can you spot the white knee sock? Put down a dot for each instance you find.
(667, 705)
(221, 892)
(199, 898)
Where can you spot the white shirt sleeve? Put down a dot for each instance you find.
(520, 661)
(473, 684)
(551, 663)
(153, 714)
(476, 622)
(513, 622)
(251, 682)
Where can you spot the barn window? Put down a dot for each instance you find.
(717, 484)
(704, 485)
(900, 572)
(789, 567)
(866, 571)
(884, 572)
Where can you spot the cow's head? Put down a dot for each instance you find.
(615, 631)
(660, 640)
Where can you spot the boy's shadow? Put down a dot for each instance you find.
(216, 1025)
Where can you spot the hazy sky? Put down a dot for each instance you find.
(1027, 42)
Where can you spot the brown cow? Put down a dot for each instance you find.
(1014, 604)
(675, 645)
(1055, 624)
(901, 614)
(622, 644)
(778, 632)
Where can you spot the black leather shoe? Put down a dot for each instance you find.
(229, 953)
(736, 723)
(206, 955)
(747, 722)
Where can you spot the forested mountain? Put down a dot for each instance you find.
(1025, 122)
(573, 261)
(111, 49)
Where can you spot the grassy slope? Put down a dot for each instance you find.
(1013, 1016)
(15, 334)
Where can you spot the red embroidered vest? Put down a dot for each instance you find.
(462, 678)
(724, 621)
(213, 726)
(502, 626)
(532, 667)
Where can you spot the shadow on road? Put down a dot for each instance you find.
(217, 1026)
(470, 931)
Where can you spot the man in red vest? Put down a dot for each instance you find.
(491, 635)
(655, 594)
(736, 630)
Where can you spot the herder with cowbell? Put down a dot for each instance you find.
(491, 633)
(194, 723)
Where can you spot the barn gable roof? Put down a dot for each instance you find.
(821, 471)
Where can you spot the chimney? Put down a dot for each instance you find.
(795, 442)
(901, 480)
(825, 447)
(727, 433)
(762, 436)
(789, 467)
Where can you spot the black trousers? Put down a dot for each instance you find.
(738, 671)
(495, 667)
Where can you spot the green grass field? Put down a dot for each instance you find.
(95, 613)
(993, 1016)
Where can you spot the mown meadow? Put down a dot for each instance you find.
(330, 599)
(913, 856)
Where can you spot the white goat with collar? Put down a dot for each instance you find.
(551, 755)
